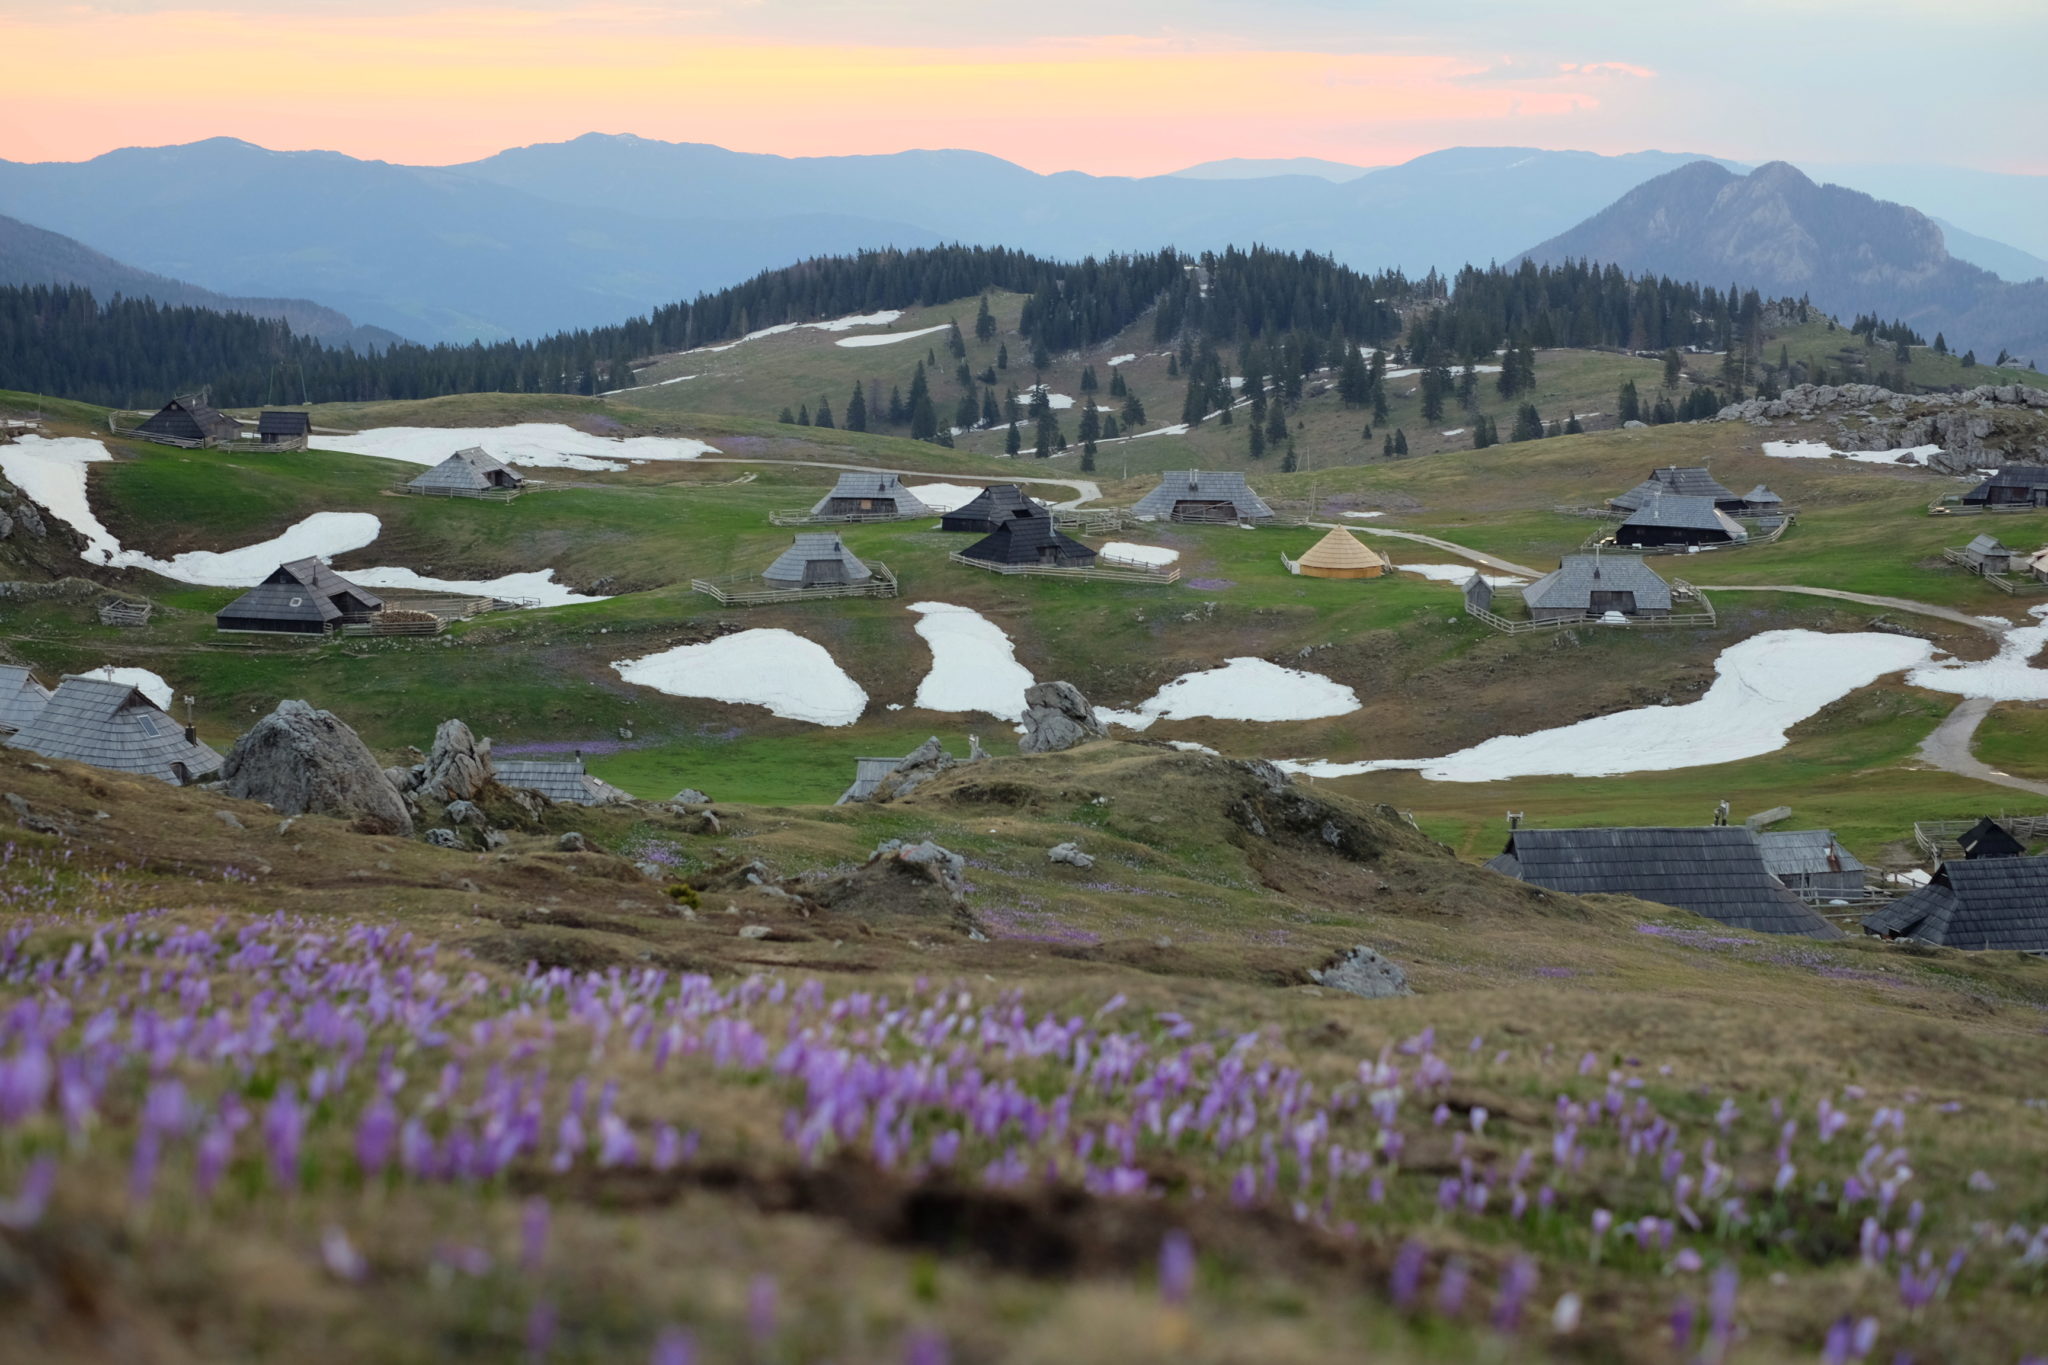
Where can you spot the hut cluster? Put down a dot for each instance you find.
(1988, 555)
(1993, 897)
(103, 722)
(1685, 506)
(192, 422)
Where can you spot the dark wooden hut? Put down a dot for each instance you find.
(1028, 537)
(190, 421)
(304, 597)
(877, 497)
(1593, 585)
(1679, 519)
(1687, 481)
(2012, 486)
(2000, 904)
(989, 509)
(1989, 839)
(283, 427)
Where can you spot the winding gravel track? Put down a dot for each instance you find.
(1949, 748)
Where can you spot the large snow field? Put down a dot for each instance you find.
(890, 338)
(974, 665)
(1123, 552)
(881, 319)
(2008, 677)
(1459, 573)
(1243, 689)
(791, 676)
(50, 472)
(1821, 450)
(1764, 686)
(322, 535)
(535, 445)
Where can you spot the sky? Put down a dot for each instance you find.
(1125, 87)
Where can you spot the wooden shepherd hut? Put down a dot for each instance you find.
(113, 725)
(1688, 481)
(870, 497)
(304, 597)
(561, 780)
(816, 559)
(2001, 904)
(1593, 585)
(1713, 870)
(990, 508)
(1811, 860)
(1028, 537)
(1985, 554)
(2012, 486)
(284, 428)
(1196, 495)
(1989, 839)
(1679, 519)
(468, 473)
(190, 421)
(1340, 554)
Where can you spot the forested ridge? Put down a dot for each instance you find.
(136, 352)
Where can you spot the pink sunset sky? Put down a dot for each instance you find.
(1113, 87)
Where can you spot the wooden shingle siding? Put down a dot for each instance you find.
(1979, 904)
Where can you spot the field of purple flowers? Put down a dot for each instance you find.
(456, 1161)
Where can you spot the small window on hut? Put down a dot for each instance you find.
(298, 601)
(147, 722)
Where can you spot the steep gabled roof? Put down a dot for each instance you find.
(1714, 870)
(1989, 839)
(1685, 512)
(1761, 496)
(992, 503)
(22, 698)
(1195, 485)
(816, 547)
(1804, 853)
(2018, 476)
(1986, 545)
(113, 725)
(1341, 550)
(272, 423)
(1997, 903)
(1572, 584)
(875, 487)
(467, 469)
(1023, 536)
(303, 590)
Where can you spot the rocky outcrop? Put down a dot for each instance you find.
(919, 881)
(457, 768)
(1990, 424)
(1070, 854)
(299, 760)
(918, 767)
(1363, 972)
(1056, 717)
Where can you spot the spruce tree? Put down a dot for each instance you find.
(1432, 396)
(1041, 358)
(1288, 464)
(824, 415)
(1091, 424)
(1088, 457)
(1627, 406)
(898, 414)
(1088, 384)
(1400, 441)
(803, 414)
(787, 417)
(956, 343)
(856, 410)
(924, 419)
(1481, 438)
(963, 376)
(1116, 383)
(1673, 367)
(1255, 441)
(1133, 410)
(1195, 406)
(1354, 382)
(991, 415)
(1387, 447)
(1110, 430)
(1276, 422)
(1047, 435)
(1003, 356)
(966, 412)
(1013, 440)
(984, 322)
(1528, 424)
(1468, 385)
(1571, 425)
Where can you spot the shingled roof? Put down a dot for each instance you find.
(1029, 537)
(1692, 481)
(1989, 839)
(304, 595)
(274, 424)
(559, 780)
(22, 698)
(1686, 512)
(113, 725)
(1712, 870)
(1195, 485)
(1572, 584)
(1996, 903)
(469, 470)
(988, 507)
(1805, 853)
(1761, 496)
(817, 558)
(873, 488)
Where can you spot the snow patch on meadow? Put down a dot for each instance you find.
(1123, 552)
(944, 497)
(890, 338)
(974, 665)
(540, 585)
(1124, 359)
(1821, 450)
(1459, 573)
(535, 445)
(1243, 689)
(2008, 677)
(1762, 688)
(792, 677)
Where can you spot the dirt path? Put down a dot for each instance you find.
(1463, 552)
(1949, 748)
(1088, 489)
(1868, 600)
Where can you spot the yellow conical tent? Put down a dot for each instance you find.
(1341, 555)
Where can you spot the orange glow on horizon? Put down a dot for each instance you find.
(454, 85)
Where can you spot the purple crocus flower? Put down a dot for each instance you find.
(540, 1331)
(25, 1209)
(925, 1348)
(1450, 1289)
(674, 1347)
(761, 1314)
(533, 1235)
(1406, 1279)
(1176, 1267)
(284, 1129)
(376, 1135)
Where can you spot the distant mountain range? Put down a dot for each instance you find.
(1776, 231)
(32, 255)
(590, 231)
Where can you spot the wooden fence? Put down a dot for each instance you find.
(480, 494)
(115, 611)
(1937, 838)
(136, 433)
(1093, 520)
(802, 516)
(2005, 583)
(1134, 574)
(1953, 506)
(1681, 591)
(735, 592)
(377, 625)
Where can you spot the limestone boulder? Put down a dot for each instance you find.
(1056, 717)
(458, 767)
(298, 760)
